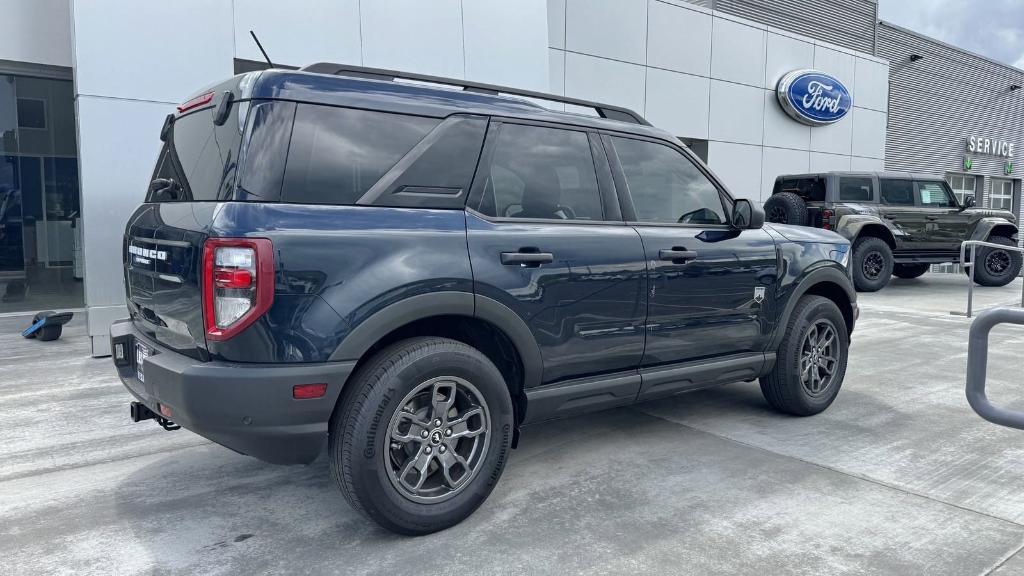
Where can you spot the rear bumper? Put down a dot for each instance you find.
(246, 407)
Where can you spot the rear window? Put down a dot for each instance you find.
(199, 161)
(810, 189)
(337, 154)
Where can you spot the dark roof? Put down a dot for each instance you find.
(421, 100)
(890, 175)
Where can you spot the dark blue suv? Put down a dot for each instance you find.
(408, 269)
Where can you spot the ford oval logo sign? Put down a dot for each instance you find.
(813, 97)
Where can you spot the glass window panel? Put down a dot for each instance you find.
(666, 186)
(544, 173)
(934, 195)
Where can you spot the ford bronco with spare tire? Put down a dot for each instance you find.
(899, 223)
(409, 272)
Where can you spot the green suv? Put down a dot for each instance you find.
(899, 223)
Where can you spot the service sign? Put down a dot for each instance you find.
(813, 97)
(989, 146)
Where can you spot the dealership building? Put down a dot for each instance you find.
(85, 86)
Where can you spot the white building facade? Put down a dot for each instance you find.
(706, 76)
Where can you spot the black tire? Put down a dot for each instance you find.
(996, 267)
(783, 387)
(910, 271)
(871, 264)
(362, 453)
(786, 208)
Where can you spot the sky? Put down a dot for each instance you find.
(992, 28)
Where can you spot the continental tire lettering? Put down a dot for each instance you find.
(505, 430)
(378, 415)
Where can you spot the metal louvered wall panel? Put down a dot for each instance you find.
(847, 23)
(937, 102)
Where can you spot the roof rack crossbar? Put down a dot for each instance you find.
(603, 110)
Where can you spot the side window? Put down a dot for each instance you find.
(540, 172)
(337, 154)
(810, 189)
(666, 186)
(934, 195)
(856, 189)
(897, 192)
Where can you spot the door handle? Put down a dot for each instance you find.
(677, 255)
(527, 257)
(931, 217)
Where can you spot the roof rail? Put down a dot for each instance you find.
(603, 110)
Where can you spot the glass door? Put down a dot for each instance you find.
(39, 195)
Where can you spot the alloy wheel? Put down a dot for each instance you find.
(819, 357)
(997, 262)
(873, 265)
(437, 439)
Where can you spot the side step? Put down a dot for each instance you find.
(140, 412)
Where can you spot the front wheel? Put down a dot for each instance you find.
(422, 435)
(811, 362)
(997, 267)
(871, 264)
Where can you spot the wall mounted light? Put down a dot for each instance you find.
(916, 57)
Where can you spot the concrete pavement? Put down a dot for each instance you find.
(898, 477)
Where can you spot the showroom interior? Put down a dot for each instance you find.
(84, 88)
(41, 264)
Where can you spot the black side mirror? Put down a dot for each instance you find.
(969, 201)
(747, 216)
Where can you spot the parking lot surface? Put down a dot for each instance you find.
(899, 476)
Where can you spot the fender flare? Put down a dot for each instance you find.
(829, 274)
(851, 226)
(983, 228)
(422, 306)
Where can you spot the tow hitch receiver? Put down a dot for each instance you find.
(140, 412)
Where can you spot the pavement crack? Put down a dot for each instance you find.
(999, 563)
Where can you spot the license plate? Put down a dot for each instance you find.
(141, 353)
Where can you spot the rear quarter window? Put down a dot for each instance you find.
(810, 189)
(338, 154)
(199, 161)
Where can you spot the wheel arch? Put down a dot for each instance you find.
(985, 228)
(830, 283)
(874, 230)
(478, 321)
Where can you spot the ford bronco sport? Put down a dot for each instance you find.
(899, 223)
(409, 273)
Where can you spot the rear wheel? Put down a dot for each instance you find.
(811, 362)
(997, 267)
(422, 434)
(909, 271)
(786, 208)
(871, 264)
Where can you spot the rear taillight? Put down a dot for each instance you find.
(238, 284)
(826, 219)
